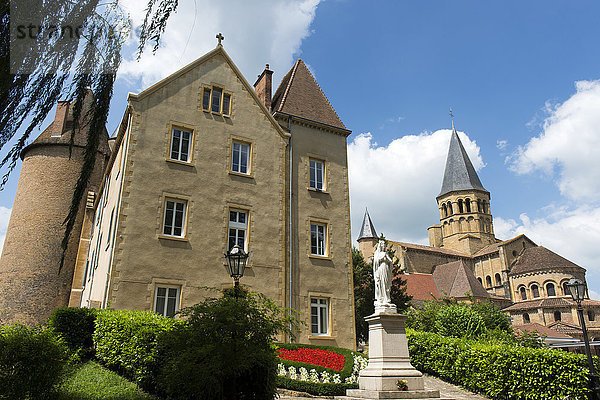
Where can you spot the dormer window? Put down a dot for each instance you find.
(216, 100)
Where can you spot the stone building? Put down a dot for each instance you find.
(464, 258)
(202, 161)
(30, 282)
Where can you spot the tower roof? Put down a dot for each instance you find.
(540, 258)
(367, 230)
(459, 173)
(300, 95)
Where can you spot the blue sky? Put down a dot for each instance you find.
(521, 77)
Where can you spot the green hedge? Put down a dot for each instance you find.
(500, 371)
(76, 326)
(126, 341)
(31, 362)
(344, 373)
(318, 389)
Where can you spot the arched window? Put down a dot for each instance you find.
(484, 207)
(460, 206)
(566, 289)
(550, 290)
(591, 315)
(468, 205)
(557, 316)
(478, 205)
(480, 281)
(526, 319)
(449, 208)
(498, 280)
(444, 210)
(523, 293)
(488, 281)
(535, 291)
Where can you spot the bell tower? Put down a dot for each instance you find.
(464, 204)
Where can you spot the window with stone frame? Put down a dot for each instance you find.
(318, 239)
(174, 217)
(166, 300)
(316, 174)
(181, 145)
(319, 316)
(240, 157)
(238, 228)
(535, 291)
(550, 289)
(216, 100)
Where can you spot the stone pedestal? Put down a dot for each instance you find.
(389, 362)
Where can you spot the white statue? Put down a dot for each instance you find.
(382, 274)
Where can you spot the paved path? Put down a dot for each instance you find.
(446, 391)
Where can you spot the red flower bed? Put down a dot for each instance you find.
(323, 358)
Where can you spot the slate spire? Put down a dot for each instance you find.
(367, 230)
(459, 173)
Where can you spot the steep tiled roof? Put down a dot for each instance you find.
(367, 229)
(542, 330)
(59, 131)
(455, 279)
(421, 286)
(540, 259)
(421, 247)
(494, 247)
(459, 173)
(564, 327)
(300, 95)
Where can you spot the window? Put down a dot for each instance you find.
(535, 291)
(460, 206)
(174, 218)
(488, 281)
(110, 227)
(444, 210)
(318, 235)
(166, 300)
(480, 281)
(238, 226)
(591, 315)
(240, 157)
(526, 319)
(319, 316)
(181, 143)
(565, 286)
(316, 174)
(468, 205)
(557, 316)
(217, 100)
(498, 280)
(523, 293)
(550, 290)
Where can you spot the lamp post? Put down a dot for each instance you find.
(577, 290)
(236, 263)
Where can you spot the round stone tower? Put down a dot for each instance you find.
(31, 286)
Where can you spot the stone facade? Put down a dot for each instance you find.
(130, 258)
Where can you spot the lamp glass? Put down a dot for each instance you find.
(236, 261)
(577, 289)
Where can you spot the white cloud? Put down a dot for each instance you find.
(4, 219)
(399, 182)
(501, 144)
(256, 32)
(572, 233)
(569, 144)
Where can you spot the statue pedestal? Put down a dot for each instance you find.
(389, 362)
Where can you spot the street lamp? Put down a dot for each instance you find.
(236, 263)
(577, 290)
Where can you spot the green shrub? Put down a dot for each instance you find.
(344, 373)
(492, 316)
(126, 341)
(31, 362)
(318, 389)
(223, 350)
(459, 320)
(500, 371)
(76, 327)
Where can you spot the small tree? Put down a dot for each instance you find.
(224, 350)
(364, 290)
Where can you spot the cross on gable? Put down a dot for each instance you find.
(220, 37)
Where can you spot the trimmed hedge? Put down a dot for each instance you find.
(31, 362)
(344, 373)
(126, 341)
(76, 326)
(318, 389)
(500, 371)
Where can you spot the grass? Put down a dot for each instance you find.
(91, 381)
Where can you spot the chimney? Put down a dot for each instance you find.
(62, 112)
(263, 86)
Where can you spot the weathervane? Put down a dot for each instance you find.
(219, 38)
